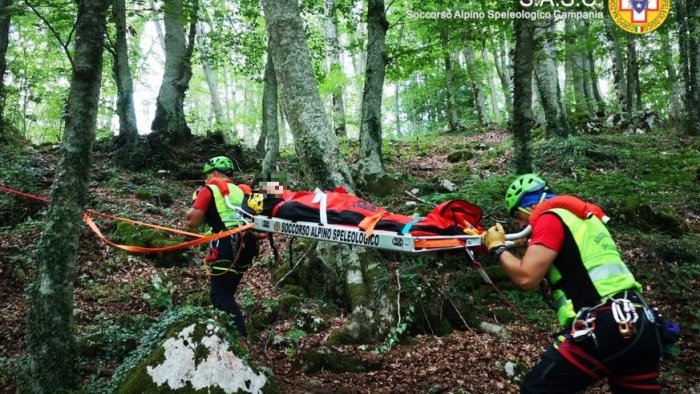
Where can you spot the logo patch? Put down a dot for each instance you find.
(639, 16)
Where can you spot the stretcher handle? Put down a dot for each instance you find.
(522, 234)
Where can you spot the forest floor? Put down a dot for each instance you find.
(110, 285)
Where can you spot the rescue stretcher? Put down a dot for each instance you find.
(378, 239)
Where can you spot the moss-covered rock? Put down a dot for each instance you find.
(331, 360)
(645, 217)
(460, 155)
(191, 354)
(129, 234)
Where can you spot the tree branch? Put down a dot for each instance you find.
(54, 32)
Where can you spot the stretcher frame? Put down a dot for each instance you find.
(352, 235)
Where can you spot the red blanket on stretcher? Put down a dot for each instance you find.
(448, 218)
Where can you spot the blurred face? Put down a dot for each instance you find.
(271, 188)
(522, 218)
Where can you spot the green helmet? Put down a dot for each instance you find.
(219, 163)
(522, 185)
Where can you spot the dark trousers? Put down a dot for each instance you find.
(226, 277)
(631, 365)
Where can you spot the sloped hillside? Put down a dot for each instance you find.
(648, 183)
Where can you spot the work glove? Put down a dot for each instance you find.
(494, 237)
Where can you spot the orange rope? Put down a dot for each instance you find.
(106, 215)
(184, 245)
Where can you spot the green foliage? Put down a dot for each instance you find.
(395, 333)
(159, 295)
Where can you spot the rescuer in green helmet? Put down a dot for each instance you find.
(231, 256)
(609, 329)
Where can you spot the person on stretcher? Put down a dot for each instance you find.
(455, 217)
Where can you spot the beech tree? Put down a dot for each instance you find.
(522, 122)
(128, 131)
(270, 129)
(371, 165)
(4, 41)
(169, 124)
(356, 272)
(50, 323)
(547, 77)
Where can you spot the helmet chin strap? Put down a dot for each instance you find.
(528, 210)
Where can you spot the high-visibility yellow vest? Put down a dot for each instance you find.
(601, 260)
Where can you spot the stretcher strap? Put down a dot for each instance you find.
(322, 199)
(140, 249)
(369, 222)
(437, 243)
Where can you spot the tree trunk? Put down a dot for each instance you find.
(371, 166)
(159, 28)
(397, 108)
(491, 85)
(693, 102)
(323, 166)
(50, 340)
(523, 64)
(618, 59)
(452, 116)
(219, 116)
(269, 121)
(283, 124)
(320, 156)
(574, 68)
(504, 75)
(593, 74)
(688, 16)
(128, 130)
(674, 91)
(547, 77)
(537, 108)
(169, 126)
(482, 112)
(4, 41)
(335, 66)
(633, 92)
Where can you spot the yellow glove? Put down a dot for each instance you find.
(494, 237)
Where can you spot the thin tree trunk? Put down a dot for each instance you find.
(283, 125)
(618, 60)
(688, 17)
(335, 66)
(575, 68)
(371, 164)
(523, 64)
(269, 121)
(693, 101)
(50, 323)
(209, 75)
(169, 125)
(504, 76)
(537, 108)
(397, 108)
(491, 85)
(634, 100)
(547, 77)
(475, 79)
(128, 130)
(4, 41)
(452, 116)
(269, 112)
(159, 28)
(674, 92)
(600, 104)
